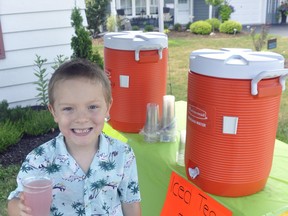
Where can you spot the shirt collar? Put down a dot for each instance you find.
(104, 145)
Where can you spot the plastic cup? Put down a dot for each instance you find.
(168, 123)
(38, 194)
(168, 110)
(181, 149)
(152, 123)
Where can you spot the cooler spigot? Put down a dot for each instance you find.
(193, 172)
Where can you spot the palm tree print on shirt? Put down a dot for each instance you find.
(97, 186)
(134, 187)
(110, 163)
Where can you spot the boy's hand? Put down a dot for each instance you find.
(24, 210)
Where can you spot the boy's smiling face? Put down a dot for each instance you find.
(80, 110)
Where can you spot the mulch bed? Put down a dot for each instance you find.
(16, 153)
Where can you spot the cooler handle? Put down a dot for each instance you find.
(269, 74)
(236, 60)
(148, 47)
(142, 37)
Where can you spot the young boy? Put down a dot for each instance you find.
(93, 174)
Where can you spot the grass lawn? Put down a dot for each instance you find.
(178, 67)
(7, 184)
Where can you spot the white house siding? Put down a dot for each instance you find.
(32, 28)
(249, 12)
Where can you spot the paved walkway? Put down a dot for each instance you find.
(281, 30)
(276, 29)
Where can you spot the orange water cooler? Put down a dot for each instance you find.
(232, 115)
(136, 63)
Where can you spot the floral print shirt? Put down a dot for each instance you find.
(111, 179)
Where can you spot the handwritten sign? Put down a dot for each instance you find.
(185, 199)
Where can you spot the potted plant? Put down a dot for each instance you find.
(283, 10)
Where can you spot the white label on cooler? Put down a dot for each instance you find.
(230, 124)
(124, 81)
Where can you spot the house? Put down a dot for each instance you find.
(185, 11)
(32, 28)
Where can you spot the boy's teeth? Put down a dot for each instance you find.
(81, 131)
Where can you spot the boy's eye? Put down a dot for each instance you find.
(67, 108)
(92, 107)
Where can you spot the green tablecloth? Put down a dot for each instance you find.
(156, 161)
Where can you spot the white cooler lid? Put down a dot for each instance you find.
(234, 63)
(132, 40)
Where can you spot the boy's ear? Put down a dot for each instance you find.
(108, 109)
(51, 109)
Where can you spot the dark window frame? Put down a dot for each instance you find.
(2, 50)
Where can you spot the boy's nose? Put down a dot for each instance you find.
(82, 116)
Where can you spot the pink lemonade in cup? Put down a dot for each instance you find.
(38, 195)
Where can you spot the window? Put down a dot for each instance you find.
(140, 7)
(153, 7)
(2, 50)
(182, 1)
(127, 6)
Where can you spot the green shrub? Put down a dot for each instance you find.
(81, 42)
(225, 11)
(15, 114)
(135, 28)
(230, 27)
(177, 27)
(148, 28)
(40, 122)
(201, 27)
(96, 57)
(166, 31)
(166, 25)
(187, 26)
(214, 22)
(23, 120)
(111, 23)
(96, 13)
(9, 134)
(4, 114)
(259, 39)
(19, 114)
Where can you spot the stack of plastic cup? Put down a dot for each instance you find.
(168, 123)
(152, 123)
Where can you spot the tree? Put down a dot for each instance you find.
(81, 43)
(96, 14)
(214, 3)
(225, 10)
